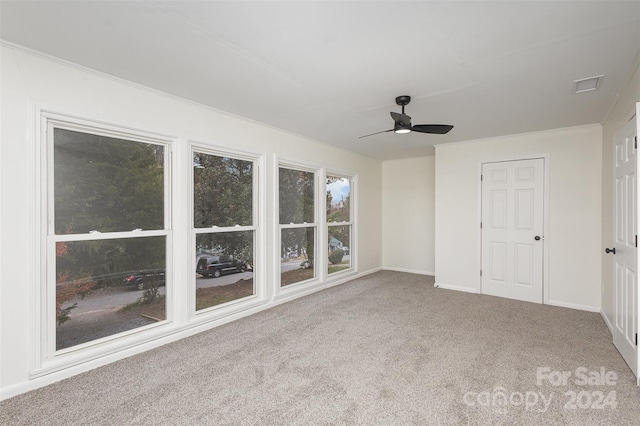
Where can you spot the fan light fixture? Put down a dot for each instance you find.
(400, 128)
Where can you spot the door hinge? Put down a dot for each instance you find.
(480, 178)
(636, 241)
(636, 339)
(480, 225)
(481, 275)
(635, 142)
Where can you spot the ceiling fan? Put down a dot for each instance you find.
(402, 122)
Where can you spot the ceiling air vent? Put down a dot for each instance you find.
(587, 84)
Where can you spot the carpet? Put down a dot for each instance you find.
(385, 349)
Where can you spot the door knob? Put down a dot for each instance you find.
(608, 250)
(537, 238)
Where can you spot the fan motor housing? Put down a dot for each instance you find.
(403, 100)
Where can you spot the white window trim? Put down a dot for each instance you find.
(45, 358)
(352, 207)
(181, 317)
(305, 285)
(259, 279)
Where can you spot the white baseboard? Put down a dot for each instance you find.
(456, 288)
(352, 277)
(574, 306)
(410, 271)
(305, 291)
(550, 302)
(607, 322)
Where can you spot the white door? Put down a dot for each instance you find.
(624, 250)
(512, 229)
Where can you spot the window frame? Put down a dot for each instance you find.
(351, 223)
(179, 233)
(45, 358)
(303, 285)
(258, 296)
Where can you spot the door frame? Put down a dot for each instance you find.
(637, 118)
(634, 114)
(545, 217)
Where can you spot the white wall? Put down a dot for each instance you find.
(408, 209)
(623, 110)
(29, 79)
(573, 239)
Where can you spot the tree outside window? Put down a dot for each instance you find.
(297, 213)
(224, 227)
(103, 185)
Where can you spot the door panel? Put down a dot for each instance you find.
(625, 257)
(524, 264)
(512, 216)
(524, 209)
(498, 209)
(498, 262)
(524, 174)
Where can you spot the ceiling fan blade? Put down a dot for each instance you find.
(401, 118)
(376, 133)
(439, 129)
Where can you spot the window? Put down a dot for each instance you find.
(125, 260)
(224, 218)
(298, 227)
(107, 232)
(339, 223)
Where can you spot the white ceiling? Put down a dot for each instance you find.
(331, 70)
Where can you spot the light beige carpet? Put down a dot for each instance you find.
(386, 349)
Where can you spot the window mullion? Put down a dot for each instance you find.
(109, 235)
(298, 225)
(216, 229)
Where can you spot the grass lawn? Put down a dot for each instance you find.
(155, 310)
(207, 297)
(295, 276)
(339, 267)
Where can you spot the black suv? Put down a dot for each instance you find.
(214, 266)
(140, 279)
